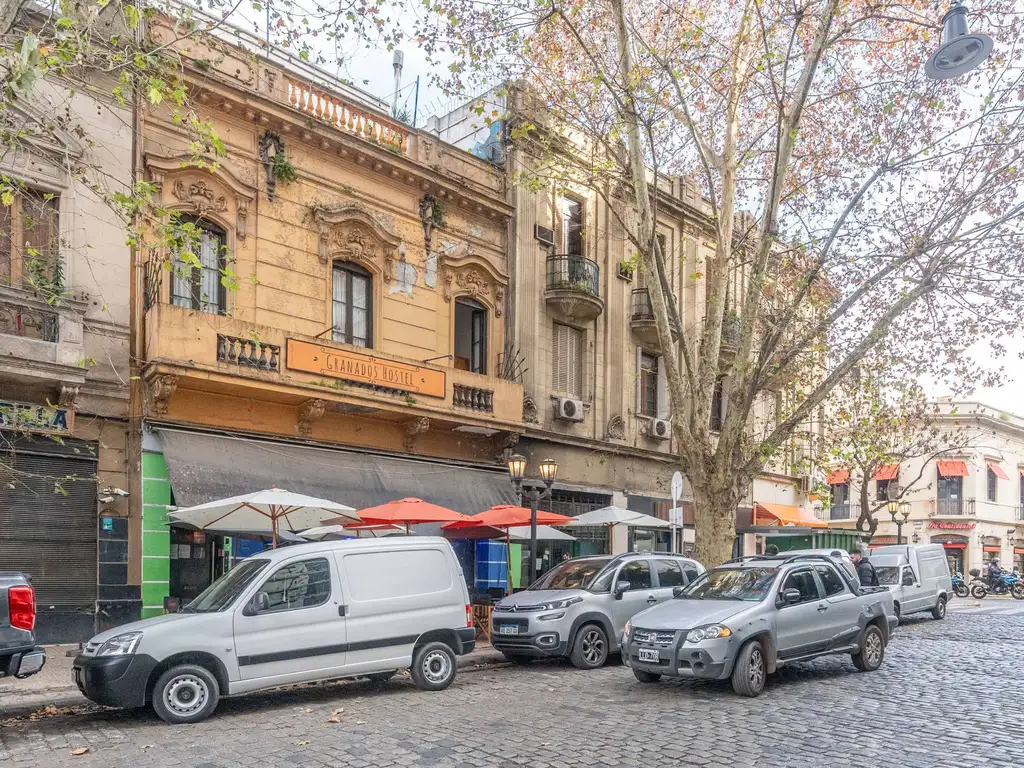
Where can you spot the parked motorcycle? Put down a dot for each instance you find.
(1008, 584)
(960, 588)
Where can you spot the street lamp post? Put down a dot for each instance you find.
(548, 471)
(900, 512)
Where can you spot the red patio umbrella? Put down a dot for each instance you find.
(407, 512)
(504, 516)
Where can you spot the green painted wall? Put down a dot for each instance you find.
(156, 535)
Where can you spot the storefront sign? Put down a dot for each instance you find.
(367, 369)
(951, 526)
(36, 418)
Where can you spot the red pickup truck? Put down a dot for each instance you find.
(19, 654)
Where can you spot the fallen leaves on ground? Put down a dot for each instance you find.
(300, 743)
(79, 751)
(335, 716)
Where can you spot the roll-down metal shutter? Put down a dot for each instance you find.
(48, 517)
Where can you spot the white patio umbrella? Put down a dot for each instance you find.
(362, 531)
(544, 533)
(263, 512)
(615, 515)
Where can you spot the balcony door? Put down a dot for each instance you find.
(950, 495)
(470, 336)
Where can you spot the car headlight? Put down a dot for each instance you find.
(710, 632)
(627, 628)
(556, 604)
(121, 645)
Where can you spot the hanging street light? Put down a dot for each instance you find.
(961, 51)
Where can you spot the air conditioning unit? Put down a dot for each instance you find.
(544, 235)
(661, 429)
(805, 483)
(569, 409)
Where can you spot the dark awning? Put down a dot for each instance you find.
(206, 467)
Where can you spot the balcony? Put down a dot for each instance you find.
(40, 340)
(212, 353)
(840, 512)
(573, 286)
(641, 316)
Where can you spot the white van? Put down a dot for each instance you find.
(299, 614)
(917, 575)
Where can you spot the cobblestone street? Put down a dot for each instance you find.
(925, 707)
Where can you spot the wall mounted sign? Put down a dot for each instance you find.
(366, 369)
(951, 526)
(36, 418)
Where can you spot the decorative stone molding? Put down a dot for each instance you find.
(616, 429)
(198, 195)
(503, 443)
(68, 396)
(530, 410)
(413, 429)
(215, 191)
(353, 233)
(310, 412)
(161, 388)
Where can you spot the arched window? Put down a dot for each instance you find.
(200, 287)
(470, 336)
(353, 304)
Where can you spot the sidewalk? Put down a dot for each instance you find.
(52, 691)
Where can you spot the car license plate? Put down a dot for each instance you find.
(508, 629)
(648, 654)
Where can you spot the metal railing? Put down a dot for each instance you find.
(574, 273)
(29, 323)
(955, 507)
(840, 512)
(642, 309)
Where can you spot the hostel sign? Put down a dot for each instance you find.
(36, 418)
(365, 369)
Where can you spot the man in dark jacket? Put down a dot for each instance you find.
(994, 572)
(865, 570)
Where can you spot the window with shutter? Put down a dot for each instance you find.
(567, 360)
(29, 238)
(649, 385)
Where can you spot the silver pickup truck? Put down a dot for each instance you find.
(19, 654)
(744, 619)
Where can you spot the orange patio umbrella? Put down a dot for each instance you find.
(505, 516)
(406, 512)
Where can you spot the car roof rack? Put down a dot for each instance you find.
(782, 558)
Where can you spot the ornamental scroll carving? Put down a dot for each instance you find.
(218, 191)
(352, 233)
(200, 196)
(473, 282)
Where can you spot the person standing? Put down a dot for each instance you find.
(865, 570)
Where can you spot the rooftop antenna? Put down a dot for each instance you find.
(397, 64)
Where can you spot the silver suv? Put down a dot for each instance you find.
(579, 607)
(746, 618)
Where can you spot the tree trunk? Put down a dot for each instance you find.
(715, 521)
(866, 522)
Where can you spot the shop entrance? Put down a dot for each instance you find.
(197, 560)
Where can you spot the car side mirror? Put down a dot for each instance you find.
(677, 591)
(260, 602)
(621, 587)
(791, 596)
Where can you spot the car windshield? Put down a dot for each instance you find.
(574, 574)
(751, 584)
(888, 574)
(223, 592)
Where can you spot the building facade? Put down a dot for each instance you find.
(66, 454)
(971, 501)
(359, 352)
(595, 392)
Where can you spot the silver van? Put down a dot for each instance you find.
(916, 575)
(299, 614)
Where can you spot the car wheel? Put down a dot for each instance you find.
(516, 658)
(646, 677)
(872, 650)
(433, 666)
(381, 677)
(185, 694)
(750, 671)
(590, 648)
(939, 611)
